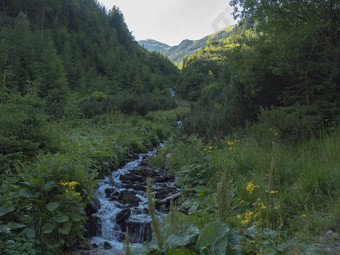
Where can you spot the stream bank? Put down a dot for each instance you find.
(121, 203)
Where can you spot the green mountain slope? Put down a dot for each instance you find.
(187, 47)
(71, 49)
(153, 45)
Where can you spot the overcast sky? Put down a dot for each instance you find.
(171, 21)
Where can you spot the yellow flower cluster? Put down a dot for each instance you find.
(251, 187)
(273, 192)
(69, 184)
(259, 206)
(208, 150)
(276, 133)
(70, 188)
(245, 218)
(232, 143)
(327, 120)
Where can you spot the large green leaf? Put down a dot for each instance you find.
(32, 184)
(66, 228)
(62, 218)
(29, 193)
(30, 232)
(4, 210)
(52, 206)
(213, 238)
(233, 244)
(47, 228)
(76, 217)
(182, 240)
(15, 225)
(11, 226)
(49, 186)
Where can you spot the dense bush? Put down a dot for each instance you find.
(126, 102)
(287, 124)
(43, 204)
(24, 130)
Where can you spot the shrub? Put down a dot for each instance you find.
(286, 124)
(24, 130)
(44, 205)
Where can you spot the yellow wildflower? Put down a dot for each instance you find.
(251, 187)
(303, 216)
(273, 192)
(244, 221)
(248, 214)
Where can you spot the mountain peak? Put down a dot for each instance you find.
(186, 48)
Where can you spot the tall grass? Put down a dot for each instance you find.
(306, 174)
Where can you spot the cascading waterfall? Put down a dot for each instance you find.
(123, 204)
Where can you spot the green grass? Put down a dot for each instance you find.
(306, 175)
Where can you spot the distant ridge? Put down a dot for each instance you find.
(153, 45)
(186, 48)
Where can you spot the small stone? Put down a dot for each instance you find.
(121, 217)
(110, 191)
(107, 246)
(329, 232)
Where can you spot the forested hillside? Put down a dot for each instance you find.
(286, 61)
(69, 50)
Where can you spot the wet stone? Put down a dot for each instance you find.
(94, 245)
(107, 246)
(128, 197)
(93, 207)
(139, 231)
(94, 226)
(120, 236)
(122, 217)
(111, 191)
(139, 187)
(113, 198)
(134, 178)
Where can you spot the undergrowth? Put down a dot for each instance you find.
(279, 195)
